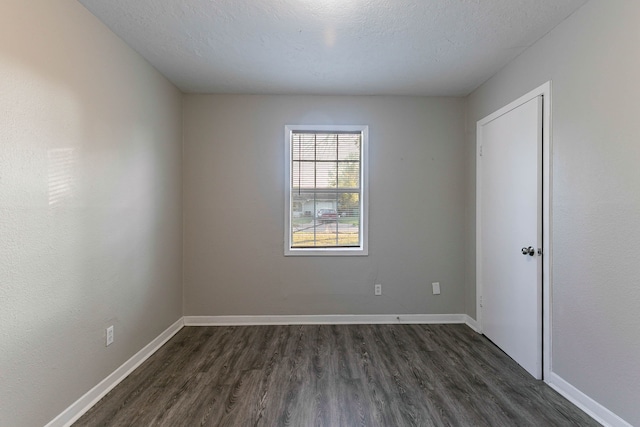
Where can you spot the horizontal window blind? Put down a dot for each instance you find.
(326, 185)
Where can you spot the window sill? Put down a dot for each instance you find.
(326, 252)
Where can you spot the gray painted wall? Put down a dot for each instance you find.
(592, 59)
(234, 197)
(90, 206)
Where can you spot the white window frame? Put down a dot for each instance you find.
(363, 249)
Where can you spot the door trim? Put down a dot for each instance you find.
(544, 91)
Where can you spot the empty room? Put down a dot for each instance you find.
(319, 213)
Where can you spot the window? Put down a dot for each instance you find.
(326, 190)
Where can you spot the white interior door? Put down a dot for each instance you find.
(510, 208)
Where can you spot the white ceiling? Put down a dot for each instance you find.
(408, 47)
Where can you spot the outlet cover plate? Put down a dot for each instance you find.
(110, 335)
(378, 290)
(436, 288)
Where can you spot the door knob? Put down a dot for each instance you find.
(528, 251)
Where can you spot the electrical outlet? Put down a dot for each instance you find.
(436, 288)
(110, 335)
(378, 289)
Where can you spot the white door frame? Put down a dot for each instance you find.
(545, 91)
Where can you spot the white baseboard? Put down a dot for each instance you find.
(472, 323)
(337, 319)
(82, 405)
(595, 410)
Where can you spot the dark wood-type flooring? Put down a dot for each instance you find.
(332, 375)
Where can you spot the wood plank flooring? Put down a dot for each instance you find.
(332, 375)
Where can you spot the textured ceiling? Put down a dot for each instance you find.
(416, 47)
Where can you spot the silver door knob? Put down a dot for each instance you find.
(528, 251)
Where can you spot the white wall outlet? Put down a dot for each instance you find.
(378, 289)
(436, 288)
(110, 335)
